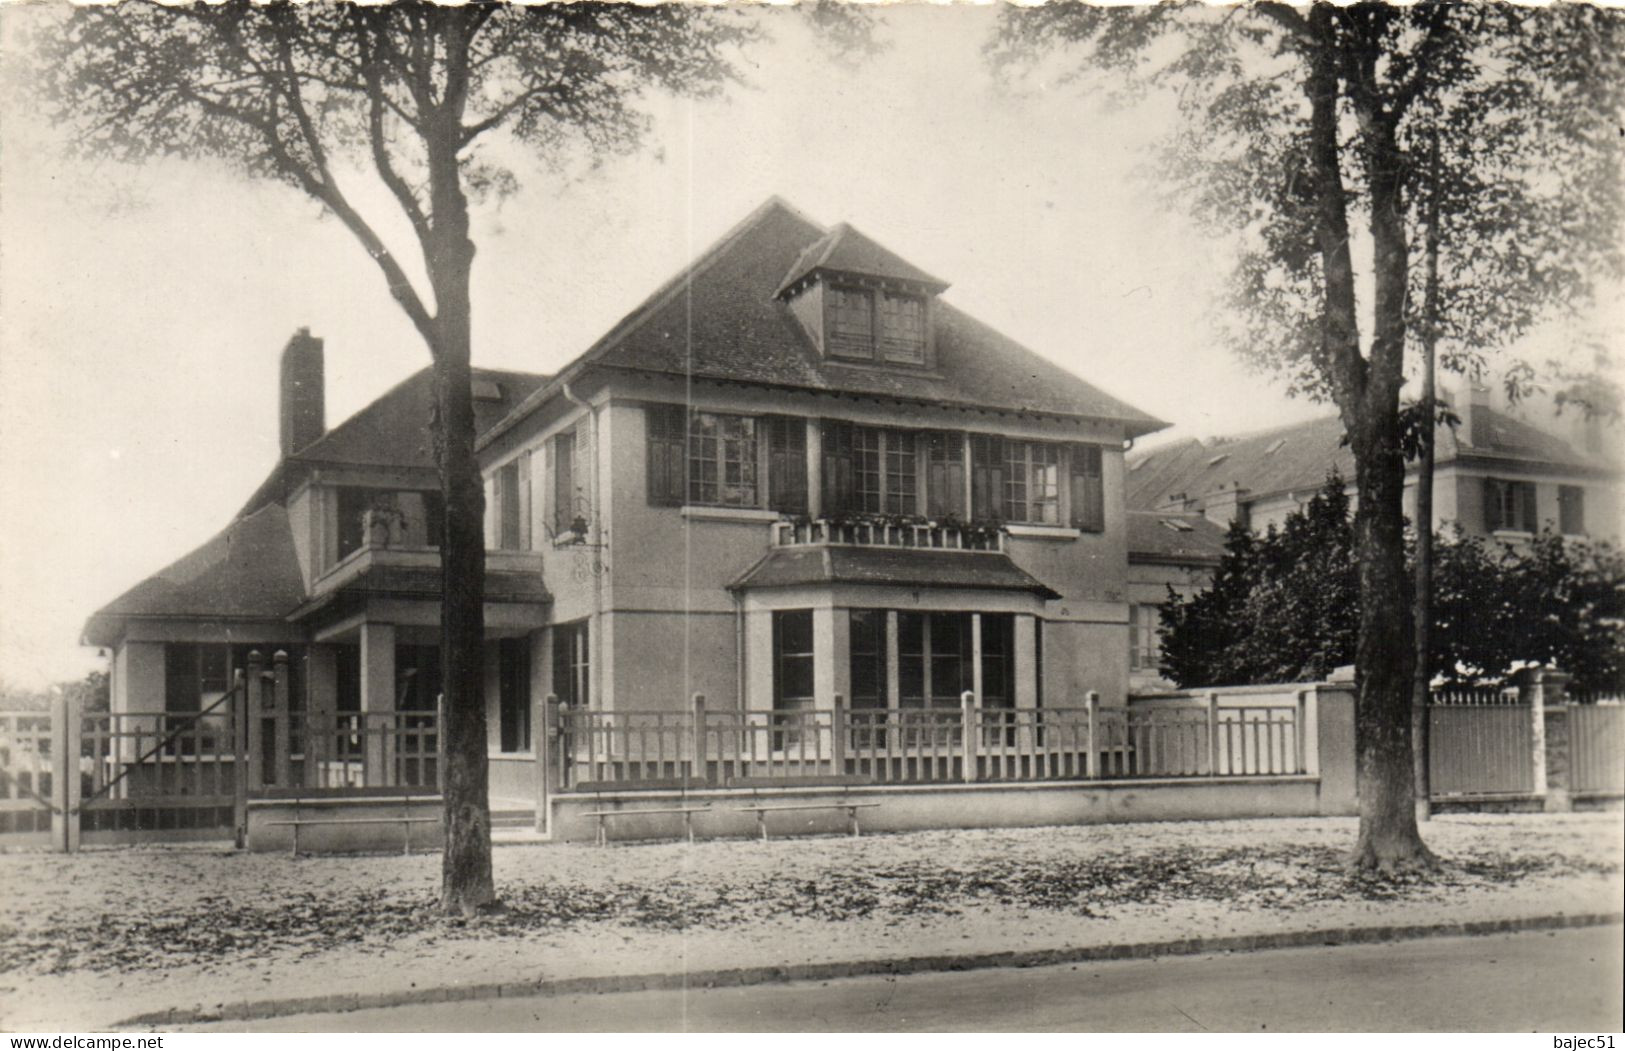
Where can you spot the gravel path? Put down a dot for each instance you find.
(87, 940)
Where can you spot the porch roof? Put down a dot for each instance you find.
(897, 567)
(248, 571)
(419, 582)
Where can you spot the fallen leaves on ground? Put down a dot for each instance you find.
(891, 878)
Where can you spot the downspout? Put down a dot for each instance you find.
(595, 623)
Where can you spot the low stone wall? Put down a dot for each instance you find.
(360, 825)
(907, 808)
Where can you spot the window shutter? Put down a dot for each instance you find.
(1492, 505)
(945, 474)
(1088, 489)
(840, 490)
(1526, 506)
(787, 464)
(564, 504)
(666, 427)
(490, 512)
(525, 496)
(987, 454)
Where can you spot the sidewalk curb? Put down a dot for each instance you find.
(250, 1010)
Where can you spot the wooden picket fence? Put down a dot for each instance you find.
(69, 777)
(603, 751)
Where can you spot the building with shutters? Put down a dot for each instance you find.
(793, 472)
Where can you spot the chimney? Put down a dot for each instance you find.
(1227, 504)
(1471, 406)
(303, 410)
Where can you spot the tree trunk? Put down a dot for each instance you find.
(1384, 661)
(1421, 690)
(466, 883)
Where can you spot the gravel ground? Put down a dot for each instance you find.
(91, 939)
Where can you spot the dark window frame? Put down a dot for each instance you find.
(513, 693)
(789, 627)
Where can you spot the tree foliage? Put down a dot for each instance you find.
(428, 102)
(1284, 607)
(1307, 137)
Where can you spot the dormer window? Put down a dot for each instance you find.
(876, 325)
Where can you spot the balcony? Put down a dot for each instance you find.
(881, 532)
(384, 550)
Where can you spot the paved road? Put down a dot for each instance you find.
(1561, 981)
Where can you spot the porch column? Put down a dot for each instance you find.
(758, 660)
(321, 705)
(1026, 658)
(828, 635)
(815, 469)
(377, 697)
(976, 656)
(894, 662)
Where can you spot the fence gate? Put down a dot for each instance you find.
(28, 778)
(1480, 744)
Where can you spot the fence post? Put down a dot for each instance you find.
(1557, 747)
(1531, 693)
(72, 784)
(256, 724)
(1091, 758)
(1309, 732)
(239, 763)
(439, 743)
(284, 720)
(968, 733)
(61, 816)
(541, 739)
(696, 762)
(837, 741)
(1212, 733)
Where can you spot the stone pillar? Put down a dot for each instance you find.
(1555, 736)
(1026, 675)
(377, 699)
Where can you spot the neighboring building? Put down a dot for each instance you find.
(1166, 550)
(794, 472)
(1501, 472)
(1498, 474)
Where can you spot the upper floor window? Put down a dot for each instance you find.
(1571, 510)
(871, 470)
(875, 325)
(1509, 505)
(1144, 638)
(1032, 484)
(564, 482)
(510, 499)
(718, 459)
(1088, 489)
(945, 474)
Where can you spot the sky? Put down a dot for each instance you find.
(143, 309)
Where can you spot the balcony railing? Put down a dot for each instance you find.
(936, 536)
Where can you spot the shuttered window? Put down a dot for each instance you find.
(665, 427)
(1088, 489)
(945, 474)
(987, 461)
(851, 322)
(1509, 505)
(787, 464)
(564, 484)
(1571, 510)
(722, 459)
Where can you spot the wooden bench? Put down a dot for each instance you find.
(603, 816)
(761, 812)
(404, 819)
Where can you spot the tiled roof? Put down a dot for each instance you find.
(845, 250)
(718, 319)
(1167, 537)
(838, 564)
(247, 572)
(393, 430)
(1298, 458)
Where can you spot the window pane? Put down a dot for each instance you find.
(867, 468)
(793, 659)
(1088, 489)
(911, 660)
(902, 328)
(850, 317)
(945, 477)
(1015, 481)
(902, 485)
